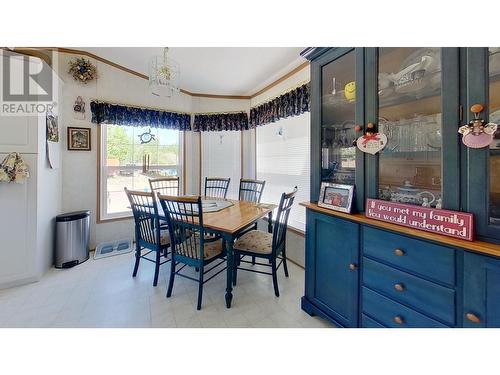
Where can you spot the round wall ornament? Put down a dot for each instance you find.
(82, 70)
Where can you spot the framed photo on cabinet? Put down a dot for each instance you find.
(79, 139)
(336, 197)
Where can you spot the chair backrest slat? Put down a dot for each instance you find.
(281, 222)
(165, 186)
(185, 224)
(145, 211)
(251, 190)
(216, 187)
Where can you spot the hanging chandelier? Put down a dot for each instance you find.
(164, 75)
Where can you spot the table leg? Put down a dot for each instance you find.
(270, 222)
(229, 281)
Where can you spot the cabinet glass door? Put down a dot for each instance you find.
(409, 110)
(338, 110)
(494, 152)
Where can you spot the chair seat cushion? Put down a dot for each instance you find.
(255, 241)
(164, 237)
(212, 249)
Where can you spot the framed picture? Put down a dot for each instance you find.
(337, 197)
(78, 139)
(52, 134)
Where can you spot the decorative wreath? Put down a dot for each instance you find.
(82, 70)
(14, 169)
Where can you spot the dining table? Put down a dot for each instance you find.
(229, 223)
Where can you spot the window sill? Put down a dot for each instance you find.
(113, 219)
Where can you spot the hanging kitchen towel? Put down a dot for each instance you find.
(14, 169)
(53, 154)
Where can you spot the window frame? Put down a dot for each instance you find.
(102, 216)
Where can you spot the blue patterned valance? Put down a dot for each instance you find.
(220, 121)
(289, 104)
(107, 113)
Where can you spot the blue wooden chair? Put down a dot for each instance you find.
(189, 246)
(164, 186)
(216, 187)
(251, 191)
(269, 246)
(148, 234)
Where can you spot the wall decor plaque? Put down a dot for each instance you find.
(448, 223)
(372, 143)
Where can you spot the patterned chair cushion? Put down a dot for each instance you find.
(255, 241)
(164, 237)
(211, 250)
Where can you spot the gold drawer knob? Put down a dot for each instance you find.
(353, 266)
(473, 317)
(399, 252)
(398, 320)
(399, 287)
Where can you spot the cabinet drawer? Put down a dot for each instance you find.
(367, 322)
(433, 299)
(392, 314)
(423, 258)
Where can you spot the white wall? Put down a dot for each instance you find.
(50, 191)
(80, 167)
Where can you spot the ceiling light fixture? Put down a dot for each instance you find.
(164, 74)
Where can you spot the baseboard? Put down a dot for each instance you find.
(294, 262)
(20, 282)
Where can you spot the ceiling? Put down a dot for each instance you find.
(213, 70)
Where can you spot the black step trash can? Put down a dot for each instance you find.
(72, 239)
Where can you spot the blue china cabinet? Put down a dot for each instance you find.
(364, 273)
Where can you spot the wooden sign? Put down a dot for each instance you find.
(445, 222)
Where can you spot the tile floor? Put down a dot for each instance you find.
(102, 293)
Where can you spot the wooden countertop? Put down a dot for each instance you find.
(474, 246)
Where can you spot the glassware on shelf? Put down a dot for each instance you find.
(410, 116)
(407, 193)
(338, 155)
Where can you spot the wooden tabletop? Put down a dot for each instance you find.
(475, 246)
(240, 215)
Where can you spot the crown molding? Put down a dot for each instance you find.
(281, 79)
(38, 52)
(30, 52)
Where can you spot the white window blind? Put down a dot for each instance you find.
(283, 149)
(221, 157)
